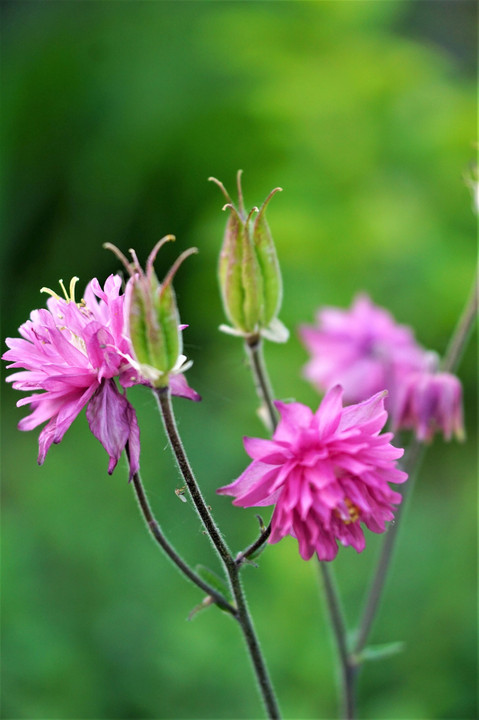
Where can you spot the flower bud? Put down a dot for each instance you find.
(152, 322)
(248, 271)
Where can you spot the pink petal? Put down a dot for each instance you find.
(180, 388)
(267, 451)
(112, 421)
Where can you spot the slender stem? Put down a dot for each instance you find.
(414, 456)
(166, 411)
(242, 556)
(254, 649)
(461, 333)
(264, 390)
(348, 665)
(254, 349)
(232, 569)
(157, 534)
(411, 465)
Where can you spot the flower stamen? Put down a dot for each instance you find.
(68, 296)
(353, 512)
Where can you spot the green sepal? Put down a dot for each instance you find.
(252, 284)
(269, 266)
(170, 346)
(138, 326)
(230, 270)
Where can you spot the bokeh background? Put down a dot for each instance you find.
(114, 115)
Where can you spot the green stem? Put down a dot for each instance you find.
(462, 331)
(411, 463)
(232, 569)
(264, 391)
(169, 422)
(155, 530)
(347, 663)
(254, 348)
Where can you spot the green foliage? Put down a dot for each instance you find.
(114, 116)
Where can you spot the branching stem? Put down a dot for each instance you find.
(231, 567)
(155, 530)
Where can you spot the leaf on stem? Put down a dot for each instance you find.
(378, 652)
(214, 580)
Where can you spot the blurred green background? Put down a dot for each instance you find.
(114, 116)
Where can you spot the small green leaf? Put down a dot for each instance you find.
(214, 580)
(378, 652)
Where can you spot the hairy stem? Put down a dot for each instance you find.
(242, 556)
(232, 569)
(155, 530)
(348, 666)
(169, 422)
(264, 391)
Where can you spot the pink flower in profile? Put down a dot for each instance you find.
(326, 473)
(68, 357)
(429, 401)
(363, 349)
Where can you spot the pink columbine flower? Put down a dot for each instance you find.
(326, 473)
(363, 349)
(429, 401)
(71, 353)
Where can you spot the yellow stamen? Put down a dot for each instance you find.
(353, 511)
(69, 296)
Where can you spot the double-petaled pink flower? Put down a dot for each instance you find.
(327, 473)
(68, 357)
(366, 351)
(363, 349)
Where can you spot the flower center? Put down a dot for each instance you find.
(353, 512)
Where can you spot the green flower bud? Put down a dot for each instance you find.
(152, 319)
(249, 273)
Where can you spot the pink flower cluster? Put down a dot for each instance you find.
(366, 351)
(68, 357)
(326, 473)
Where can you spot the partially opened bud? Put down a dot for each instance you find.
(152, 319)
(249, 274)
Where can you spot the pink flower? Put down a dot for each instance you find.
(71, 353)
(428, 401)
(362, 349)
(325, 472)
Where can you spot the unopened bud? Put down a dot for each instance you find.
(249, 273)
(152, 319)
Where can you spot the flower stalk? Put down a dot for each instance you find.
(347, 661)
(155, 530)
(254, 349)
(411, 464)
(231, 567)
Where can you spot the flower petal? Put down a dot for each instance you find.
(111, 421)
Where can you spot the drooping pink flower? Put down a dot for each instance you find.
(326, 472)
(68, 357)
(363, 349)
(429, 401)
